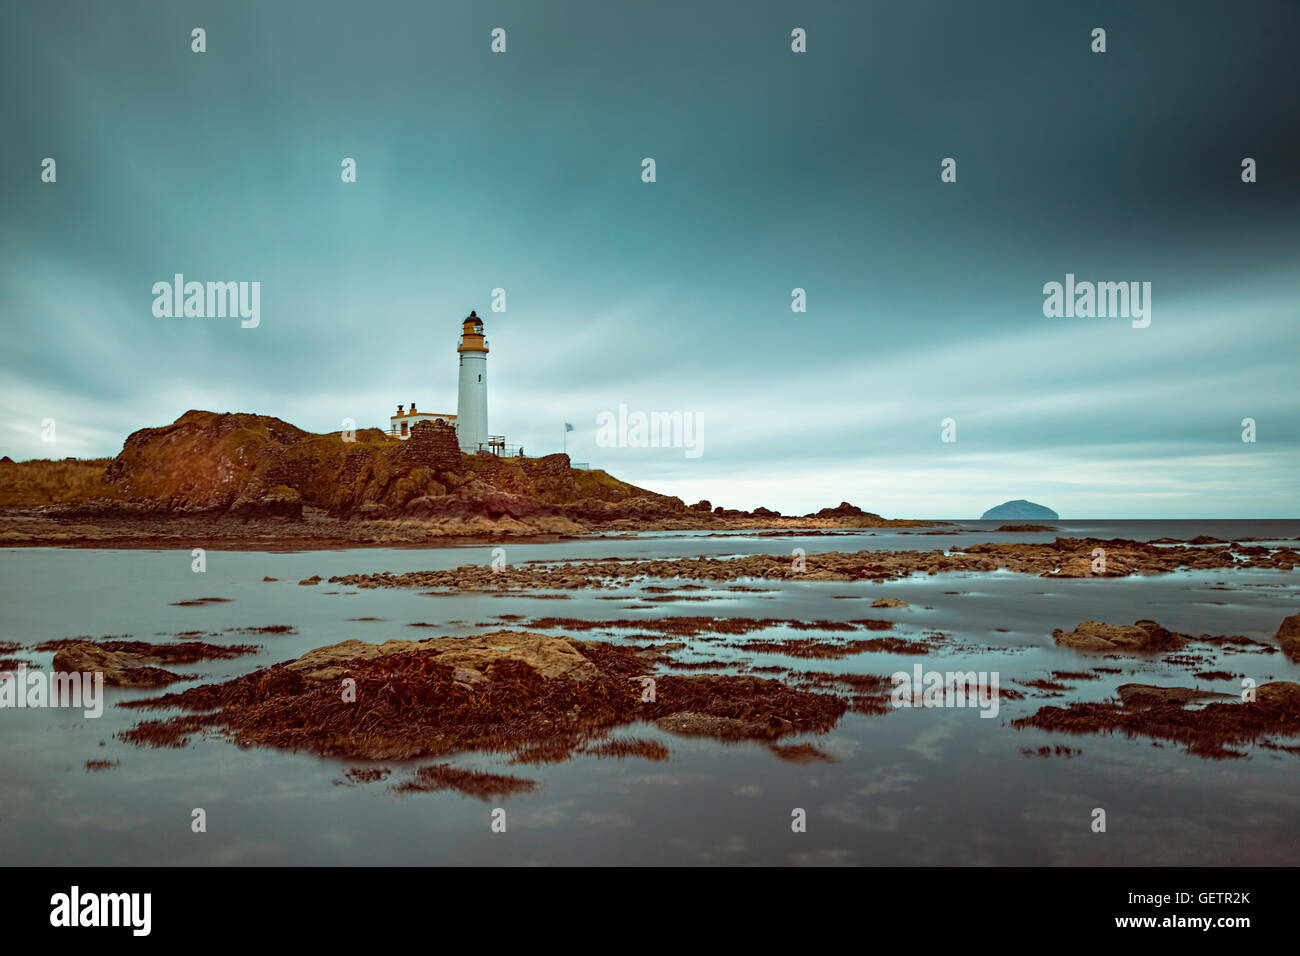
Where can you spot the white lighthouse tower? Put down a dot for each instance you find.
(471, 397)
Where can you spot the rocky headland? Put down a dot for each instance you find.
(256, 481)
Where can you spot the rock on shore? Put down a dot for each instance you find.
(1288, 636)
(551, 657)
(538, 698)
(1218, 730)
(120, 668)
(1147, 637)
(1142, 636)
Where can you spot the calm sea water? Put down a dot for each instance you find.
(910, 787)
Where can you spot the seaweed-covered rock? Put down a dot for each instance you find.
(120, 668)
(1140, 636)
(1288, 636)
(551, 657)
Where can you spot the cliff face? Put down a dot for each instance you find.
(240, 465)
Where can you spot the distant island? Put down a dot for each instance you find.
(1019, 510)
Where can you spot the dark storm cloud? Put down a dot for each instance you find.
(775, 171)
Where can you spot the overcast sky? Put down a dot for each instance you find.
(523, 170)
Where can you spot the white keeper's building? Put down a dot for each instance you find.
(471, 418)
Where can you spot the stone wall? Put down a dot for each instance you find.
(432, 444)
(554, 466)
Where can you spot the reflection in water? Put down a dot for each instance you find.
(909, 786)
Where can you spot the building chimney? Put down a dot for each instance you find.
(399, 409)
